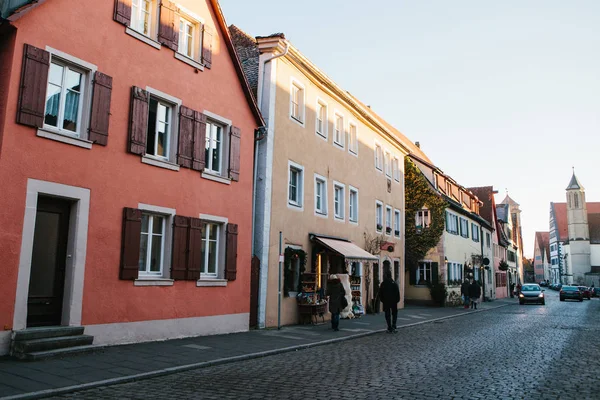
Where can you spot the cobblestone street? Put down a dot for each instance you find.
(514, 352)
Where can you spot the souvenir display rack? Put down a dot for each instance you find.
(310, 306)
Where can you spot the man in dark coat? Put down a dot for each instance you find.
(464, 291)
(474, 293)
(389, 294)
(335, 292)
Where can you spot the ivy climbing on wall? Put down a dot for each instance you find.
(418, 194)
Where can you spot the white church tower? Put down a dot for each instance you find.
(577, 255)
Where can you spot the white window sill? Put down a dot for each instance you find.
(321, 214)
(143, 38)
(217, 178)
(338, 145)
(297, 120)
(297, 207)
(354, 222)
(353, 153)
(150, 160)
(339, 219)
(321, 135)
(190, 61)
(150, 281)
(211, 282)
(60, 137)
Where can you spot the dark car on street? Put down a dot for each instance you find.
(586, 292)
(596, 292)
(570, 292)
(531, 293)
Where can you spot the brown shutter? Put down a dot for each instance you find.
(179, 259)
(207, 43)
(234, 153)
(130, 246)
(195, 250)
(122, 12)
(167, 33)
(199, 152)
(100, 109)
(138, 123)
(34, 80)
(186, 137)
(231, 256)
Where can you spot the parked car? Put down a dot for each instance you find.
(570, 292)
(596, 292)
(585, 291)
(531, 293)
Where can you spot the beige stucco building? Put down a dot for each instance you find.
(329, 174)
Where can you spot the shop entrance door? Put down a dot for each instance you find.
(48, 261)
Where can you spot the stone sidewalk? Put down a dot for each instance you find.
(125, 363)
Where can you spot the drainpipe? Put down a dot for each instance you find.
(261, 134)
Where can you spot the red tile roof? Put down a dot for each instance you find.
(560, 213)
(543, 243)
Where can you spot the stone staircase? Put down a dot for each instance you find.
(46, 342)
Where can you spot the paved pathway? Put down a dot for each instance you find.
(108, 365)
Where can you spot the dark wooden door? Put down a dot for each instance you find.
(47, 280)
(376, 283)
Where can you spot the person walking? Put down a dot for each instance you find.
(336, 295)
(474, 293)
(464, 291)
(389, 295)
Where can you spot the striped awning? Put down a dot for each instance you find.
(347, 249)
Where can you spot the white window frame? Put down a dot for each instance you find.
(397, 223)
(151, 37)
(324, 133)
(218, 278)
(452, 221)
(379, 216)
(300, 118)
(323, 211)
(427, 267)
(396, 168)
(353, 141)
(378, 157)
(167, 242)
(169, 161)
(356, 207)
(474, 229)
(299, 204)
(420, 219)
(79, 138)
(341, 216)
(226, 124)
(387, 163)
(339, 144)
(389, 212)
(468, 227)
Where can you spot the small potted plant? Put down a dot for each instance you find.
(397, 233)
(388, 230)
(379, 227)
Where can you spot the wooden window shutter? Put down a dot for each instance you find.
(100, 117)
(32, 94)
(179, 260)
(231, 256)
(130, 246)
(168, 34)
(138, 123)
(195, 250)
(199, 152)
(186, 137)
(207, 44)
(435, 277)
(123, 12)
(234, 153)
(412, 276)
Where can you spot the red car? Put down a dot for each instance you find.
(586, 292)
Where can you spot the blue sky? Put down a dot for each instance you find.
(503, 93)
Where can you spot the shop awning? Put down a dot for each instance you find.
(347, 249)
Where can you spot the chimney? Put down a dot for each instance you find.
(418, 144)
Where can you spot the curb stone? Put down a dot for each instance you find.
(220, 361)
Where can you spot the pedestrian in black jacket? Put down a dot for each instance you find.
(389, 294)
(474, 293)
(335, 292)
(464, 291)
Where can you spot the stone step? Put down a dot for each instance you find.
(42, 355)
(51, 343)
(46, 332)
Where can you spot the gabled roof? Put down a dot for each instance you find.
(12, 10)
(509, 201)
(574, 184)
(247, 50)
(542, 240)
(562, 224)
(485, 194)
(594, 224)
